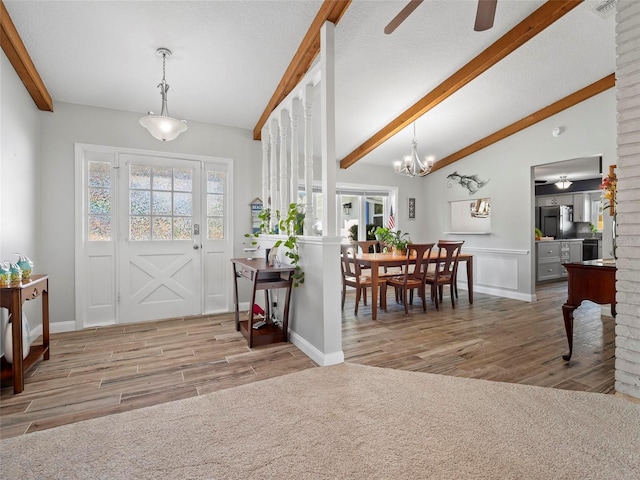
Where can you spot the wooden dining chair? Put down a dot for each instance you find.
(352, 276)
(445, 272)
(368, 246)
(413, 275)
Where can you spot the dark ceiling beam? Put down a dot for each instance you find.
(535, 23)
(330, 10)
(569, 101)
(17, 54)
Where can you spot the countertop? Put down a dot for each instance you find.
(562, 240)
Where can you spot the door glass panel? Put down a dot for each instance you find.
(160, 203)
(215, 204)
(99, 202)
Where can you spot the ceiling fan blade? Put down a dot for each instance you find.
(402, 16)
(485, 15)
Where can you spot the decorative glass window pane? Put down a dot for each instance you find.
(161, 203)
(215, 205)
(161, 228)
(140, 177)
(100, 174)
(139, 228)
(139, 202)
(99, 228)
(182, 228)
(215, 182)
(215, 228)
(182, 204)
(182, 179)
(99, 200)
(162, 178)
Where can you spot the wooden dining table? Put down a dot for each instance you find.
(377, 260)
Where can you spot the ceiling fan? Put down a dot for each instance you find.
(484, 15)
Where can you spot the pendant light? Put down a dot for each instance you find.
(563, 183)
(163, 127)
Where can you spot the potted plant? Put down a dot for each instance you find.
(290, 226)
(397, 240)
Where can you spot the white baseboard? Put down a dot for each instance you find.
(60, 327)
(498, 292)
(322, 359)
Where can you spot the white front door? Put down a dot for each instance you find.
(160, 263)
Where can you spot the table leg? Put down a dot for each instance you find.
(235, 295)
(470, 279)
(374, 292)
(567, 313)
(16, 320)
(45, 321)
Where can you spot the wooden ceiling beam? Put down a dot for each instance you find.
(535, 23)
(330, 10)
(569, 101)
(17, 54)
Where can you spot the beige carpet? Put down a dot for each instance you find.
(347, 422)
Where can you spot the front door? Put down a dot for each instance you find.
(160, 263)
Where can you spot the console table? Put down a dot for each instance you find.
(12, 298)
(593, 280)
(262, 277)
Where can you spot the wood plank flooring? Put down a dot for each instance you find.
(101, 371)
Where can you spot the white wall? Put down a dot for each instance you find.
(75, 123)
(504, 260)
(20, 199)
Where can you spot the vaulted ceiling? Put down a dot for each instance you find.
(230, 56)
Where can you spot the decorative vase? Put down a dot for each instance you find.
(5, 274)
(16, 273)
(8, 339)
(26, 265)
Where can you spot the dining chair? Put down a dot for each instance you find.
(368, 246)
(413, 275)
(445, 272)
(352, 276)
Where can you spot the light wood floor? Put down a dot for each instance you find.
(102, 371)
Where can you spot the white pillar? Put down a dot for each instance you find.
(284, 166)
(264, 138)
(308, 159)
(327, 129)
(273, 167)
(295, 108)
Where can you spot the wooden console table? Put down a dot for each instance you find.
(12, 298)
(263, 277)
(592, 280)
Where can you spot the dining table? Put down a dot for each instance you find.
(375, 261)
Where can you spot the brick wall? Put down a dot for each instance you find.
(628, 208)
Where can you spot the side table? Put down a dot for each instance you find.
(12, 298)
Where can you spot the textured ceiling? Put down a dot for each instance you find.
(228, 57)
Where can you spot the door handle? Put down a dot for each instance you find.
(196, 247)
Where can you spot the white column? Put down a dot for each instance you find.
(264, 138)
(284, 165)
(295, 108)
(273, 167)
(308, 159)
(327, 129)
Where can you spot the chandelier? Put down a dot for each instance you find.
(563, 183)
(163, 127)
(412, 166)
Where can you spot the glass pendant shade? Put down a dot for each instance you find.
(563, 183)
(163, 127)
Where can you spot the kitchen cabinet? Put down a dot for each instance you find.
(551, 254)
(553, 200)
(581, 207)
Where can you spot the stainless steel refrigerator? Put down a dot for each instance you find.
(556, 222)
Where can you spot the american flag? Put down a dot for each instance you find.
(392, 222)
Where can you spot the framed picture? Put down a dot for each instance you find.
(412, 208)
